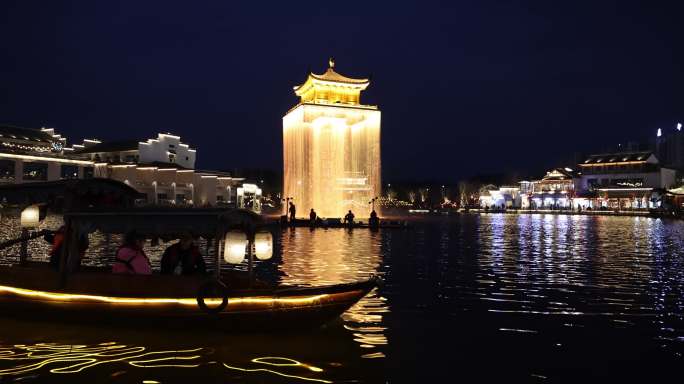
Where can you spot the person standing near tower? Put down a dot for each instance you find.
(349, 219)
(312, 217)
(293, 211)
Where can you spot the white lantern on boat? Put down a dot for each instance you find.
(263, 245)
(235, 247)
(30, 217)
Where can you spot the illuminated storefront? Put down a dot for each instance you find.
(504, 197)
(249, 197)
(331, 147)
(556, 190)
(625, 180)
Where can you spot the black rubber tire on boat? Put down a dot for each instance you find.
(212, 289)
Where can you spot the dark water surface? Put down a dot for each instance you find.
(529, 298)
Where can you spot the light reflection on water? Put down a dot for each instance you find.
(302, 258)
(539, 296)
(24, 360)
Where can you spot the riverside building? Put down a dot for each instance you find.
(331, 147)
(625, 180)
(555, 190)
(162, 168)
(30, 155)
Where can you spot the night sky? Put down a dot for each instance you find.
(465, 87)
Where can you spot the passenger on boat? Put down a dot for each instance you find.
(56, 238)
(183, 257)
(130, 258)
(349, 218)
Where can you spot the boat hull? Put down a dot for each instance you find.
(246, 308)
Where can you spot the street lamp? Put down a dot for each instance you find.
(287, 203)
(372, 203)
(30, 219)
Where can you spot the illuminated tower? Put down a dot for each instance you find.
(331, 147)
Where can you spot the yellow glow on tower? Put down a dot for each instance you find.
(331, 147)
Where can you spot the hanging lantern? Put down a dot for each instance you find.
(235, 247)
(30, 217)
(263, 245)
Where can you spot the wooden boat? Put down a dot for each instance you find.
(95, 294)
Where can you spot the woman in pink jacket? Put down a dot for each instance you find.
(130, 258)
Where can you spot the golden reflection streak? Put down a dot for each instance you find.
(280, 362)
(375, 355)
(145, 363)
(140, 300)
(275, 372)
(81, 357)
(287, 363)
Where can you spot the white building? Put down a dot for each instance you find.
(33, 155)
(504, 197)
(624, 180)
(625, 170)
(166, 148)
(161, 168)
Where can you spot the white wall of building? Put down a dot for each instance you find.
(664, 178)
(167, 148)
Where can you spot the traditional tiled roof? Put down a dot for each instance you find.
(610, 158)
(29, 134)
(333, 77)
(110, 146)
(560, 174)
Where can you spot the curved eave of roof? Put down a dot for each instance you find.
(330, 76)
(114, 146)
(21, 133)
(334, 105)
(618, 157)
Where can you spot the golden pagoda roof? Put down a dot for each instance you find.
(331, 76)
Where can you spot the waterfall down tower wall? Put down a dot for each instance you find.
(331, 147)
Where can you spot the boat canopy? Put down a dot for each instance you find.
(75, 193)
(164, 221)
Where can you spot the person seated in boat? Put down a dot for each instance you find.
(130, 257)
(373, 221)
(56, 238)
(183, 257)
(349, 218)
(312, 217)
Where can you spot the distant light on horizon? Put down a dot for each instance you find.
(660, 132)
(679, 126)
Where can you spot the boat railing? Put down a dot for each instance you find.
(25, 237)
